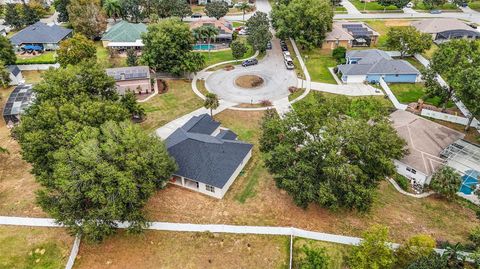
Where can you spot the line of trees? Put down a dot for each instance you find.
(21, 15)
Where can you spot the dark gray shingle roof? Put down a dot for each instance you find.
(376, 62)
(40, 33)
(203, 124)
(205, 158)
(227, 135)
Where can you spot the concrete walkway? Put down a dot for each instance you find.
(351, 9)
(282, 106)
(359, 89)
(400, 190)
(166, 130)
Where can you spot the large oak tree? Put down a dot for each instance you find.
(331, 151)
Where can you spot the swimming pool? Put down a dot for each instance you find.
(203, 47)
(469, 181)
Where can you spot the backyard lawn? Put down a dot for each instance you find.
(163, 108)
(410, 92)
(46, 248)
(33, 76)
(47, 57)
(157, 249)
(104, 59)
(214, 57)
(318, 61)
(372, 6)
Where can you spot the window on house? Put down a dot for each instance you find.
(210, 188)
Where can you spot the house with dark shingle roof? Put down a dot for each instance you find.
(41, 34)
(124, 35)
(209, 157)
(373, 64)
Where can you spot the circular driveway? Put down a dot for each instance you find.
(271, 68)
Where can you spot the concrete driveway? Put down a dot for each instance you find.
(271, 68)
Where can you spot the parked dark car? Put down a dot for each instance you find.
(473, 25)
(463, 4)
(249, 62)
(196, 15)
(269, 45)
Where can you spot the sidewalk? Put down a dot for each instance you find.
(282, 106)
(351, 9)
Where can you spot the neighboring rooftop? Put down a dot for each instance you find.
(425, 139)
(203, 157)
(342, 30)
(40, 33)
(220, 24)
(374, 61)
(437, 25)
(125, 31)
(129, 73)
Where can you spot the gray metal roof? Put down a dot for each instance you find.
(19, 100)
(203, 157)
(376, 62)
(129, 73)
(14, 69)
(40, 33)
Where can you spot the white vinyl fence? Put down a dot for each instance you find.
(35, 67)
(391, 96)
(448, 117)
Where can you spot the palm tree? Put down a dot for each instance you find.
(112, 9)
(206, 32)
(211, 102)
(244, 7)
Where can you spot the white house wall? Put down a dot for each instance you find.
(419, 177)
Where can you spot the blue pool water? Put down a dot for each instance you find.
(469, 180)
(203, 47)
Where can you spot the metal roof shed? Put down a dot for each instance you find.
(19, 100)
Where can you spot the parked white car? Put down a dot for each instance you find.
(286, 54)
(410, 5)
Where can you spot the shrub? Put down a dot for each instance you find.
(446, 182)
(292, 89)
(339, 54)
(402, 181)
(266, 103)
(474, 236)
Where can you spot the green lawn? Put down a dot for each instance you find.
(163, 108)
(47, 57)
(419, 5)
(104, 59)
(414, 62)
(236, 24)
(371, 6)
(336, 252)
(214, 57)
(411, 92)
(475, 5)
(318, 61)
(340, 9)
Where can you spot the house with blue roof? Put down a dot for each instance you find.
(209, 157)
(41, 35)
(372, 64)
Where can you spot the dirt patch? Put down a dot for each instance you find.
(229, 68)
(156, 249)
(249, 81)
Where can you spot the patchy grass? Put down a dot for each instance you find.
(413, 61)
(104, 59)
(32, 77)
(45, 248)
(429, 53)
(372, 6)
(163, 108)
(47, 57)
(201, 87)
(382, 27)
(410, 92)
(17, 185)
(336, 252)
(156, 249)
